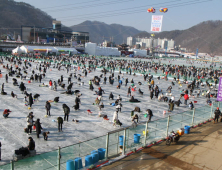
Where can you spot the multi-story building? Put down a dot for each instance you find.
(129, 41)
(52, 35)
(151, 42)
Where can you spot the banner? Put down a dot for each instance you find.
(156, 23)
(219, 93)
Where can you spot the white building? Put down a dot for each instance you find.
(147, 41)
(170, 44)
(142, 45)
(129, 41)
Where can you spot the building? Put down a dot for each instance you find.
(147, 41)
(108, 44)
(140, 45)
(129, 41)
(52, 35)
(170, 44)
(151, 42)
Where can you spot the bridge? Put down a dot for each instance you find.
(163, 52)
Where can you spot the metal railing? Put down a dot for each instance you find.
(116, 143)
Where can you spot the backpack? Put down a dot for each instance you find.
(26, 130)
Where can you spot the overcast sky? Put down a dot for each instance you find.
(182, 14)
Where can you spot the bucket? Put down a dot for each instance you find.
(95, 157)
(88, 160)
(78, 163)
(101, 152)
(137, 138)
(180, 132)
(121, 140)
(186, 129)
(70, 165)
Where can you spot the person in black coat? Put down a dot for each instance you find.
(22, 87)
(38, 127)
(105, 80)
(6, 78)
(30, 100)
(3, 87)
(48, 107)
(126, 81)
(111, 96)
(129, 91)
(60, 122)
(31, 145)
(151, 94)
(66, 111)
(77, 102)
(56, 99)
(217, 114)
(150, 114)
(132, 99)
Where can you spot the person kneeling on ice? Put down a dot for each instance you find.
(45, 135)
(133, 100)
(13, 95)
(6, 113)
(119, 98)
(111, 96)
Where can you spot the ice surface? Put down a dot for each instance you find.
(12, 133)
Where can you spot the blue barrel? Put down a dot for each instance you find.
(94, 151)
(120, 140)
(88, 160)
(101, 152)
(69, 165)
(95, 157)
(78, 163)
(186, 129)
(137, 138)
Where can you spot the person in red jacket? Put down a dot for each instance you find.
(186, 97)
(50, 82)
(6, 113)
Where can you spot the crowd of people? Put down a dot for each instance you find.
(115, 72)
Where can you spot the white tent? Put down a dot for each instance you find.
(19, 50)
(43, 49)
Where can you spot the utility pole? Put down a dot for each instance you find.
(85, 39)
(34, 34)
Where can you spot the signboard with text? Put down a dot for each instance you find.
(156, 23)
(219, 93)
